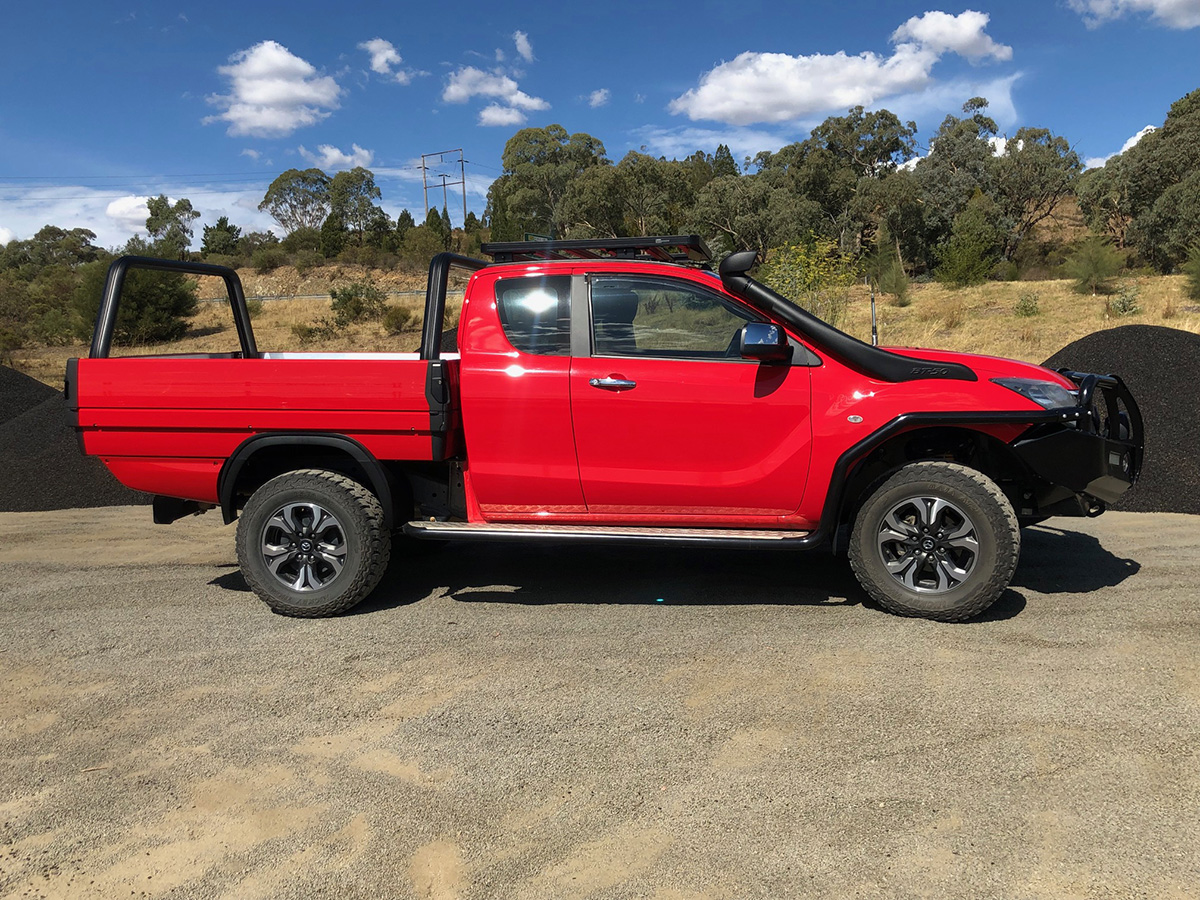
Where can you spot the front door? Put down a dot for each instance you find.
(669, 420)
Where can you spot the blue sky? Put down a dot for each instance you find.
(102, 104)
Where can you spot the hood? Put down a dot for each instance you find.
(987, 367)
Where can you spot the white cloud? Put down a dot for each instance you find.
(253, 154)
(777, 87)
(467, 82)
(942, 97)
(114, 215)
(1137, 137)
(963, 34)
(599, 98)
(501, 115)
(273, 92)
(1180, 14)
(331, 159)
(5, 235)
(1095, 162)
(524, 48)
(129, 212)
(677, 143)
(383, 56)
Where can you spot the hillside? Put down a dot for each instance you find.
(980, 319)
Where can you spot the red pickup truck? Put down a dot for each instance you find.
(609, 390)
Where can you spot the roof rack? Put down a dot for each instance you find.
(679, 248)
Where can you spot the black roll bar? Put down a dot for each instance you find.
(435, 299)
(106, 317)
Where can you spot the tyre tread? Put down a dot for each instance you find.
(965, 479)
(376, 546)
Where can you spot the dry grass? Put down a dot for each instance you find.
(976, 320)
(981, 319)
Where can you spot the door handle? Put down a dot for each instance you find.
(612, 384)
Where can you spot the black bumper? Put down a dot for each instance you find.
(1096, 453)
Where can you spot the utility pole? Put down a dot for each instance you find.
(425, 187)
(462, 177)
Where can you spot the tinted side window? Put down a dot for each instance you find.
(536, 313)
(664, 318)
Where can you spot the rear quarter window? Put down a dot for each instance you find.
(536, 313)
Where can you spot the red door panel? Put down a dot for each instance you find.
(691, 437)
(517, 419)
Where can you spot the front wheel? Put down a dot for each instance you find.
(312, 543)
(936, 540)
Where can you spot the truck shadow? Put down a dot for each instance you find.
(1055, 561)
(546, 574)
(1052, 561)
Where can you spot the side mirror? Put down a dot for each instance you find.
(765, 342)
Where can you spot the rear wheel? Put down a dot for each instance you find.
(936, 540)
(312, 543)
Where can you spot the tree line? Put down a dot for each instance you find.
(856, 196)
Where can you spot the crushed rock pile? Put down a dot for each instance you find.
(41, 465)
(1160, 366)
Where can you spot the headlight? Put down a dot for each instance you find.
(1045, 394)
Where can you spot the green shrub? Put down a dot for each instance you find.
(302, 239)
(154, 305)
(358, 301)
(398, 319)
(1093, 265)
(885, 269)
(1027, 305)
(308, 334)
(266, 259)
(813, 275)
(973, 249)
(1191, 269)
(1125, 301)
(963, 263)
(307, 260)
(254, 306)
(54, 328)
(229, 260)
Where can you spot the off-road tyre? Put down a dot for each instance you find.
(950, 519)
(357, 537)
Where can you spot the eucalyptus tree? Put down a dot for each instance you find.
(298, 199)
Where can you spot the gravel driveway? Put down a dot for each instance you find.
(534, 722)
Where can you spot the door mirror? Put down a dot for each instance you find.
(765, 342)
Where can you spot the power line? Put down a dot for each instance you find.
(20, 197)
(148, 175)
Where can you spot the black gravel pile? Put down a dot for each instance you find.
(20, 393)
(1161, 367)
(41, 465)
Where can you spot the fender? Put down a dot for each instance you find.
(232, 468)
(835, 501)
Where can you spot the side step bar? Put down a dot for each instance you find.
(711, 537)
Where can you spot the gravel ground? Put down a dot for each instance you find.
(606, 723)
